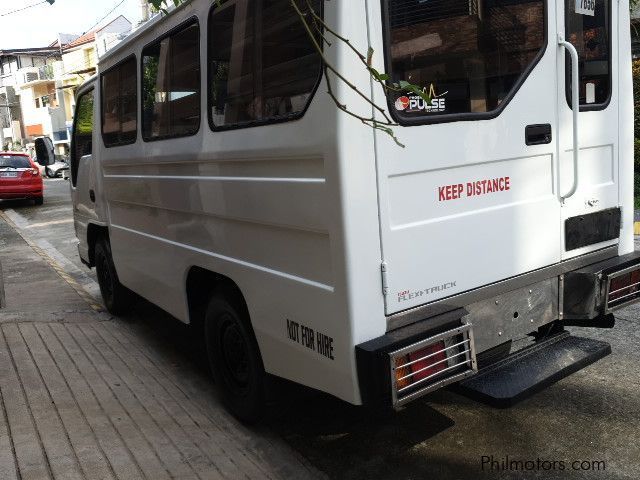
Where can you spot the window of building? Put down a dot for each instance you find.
(82, 141)
(120, 104)
(262, 65)
(591, 37)
(171, 85)
(468, 56)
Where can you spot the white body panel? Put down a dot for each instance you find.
(300, 215)
(598, 186)
(435, 248)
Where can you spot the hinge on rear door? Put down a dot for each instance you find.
(385, 286)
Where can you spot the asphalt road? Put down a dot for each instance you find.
(591, 417)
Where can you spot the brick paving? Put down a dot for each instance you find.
(87, 396)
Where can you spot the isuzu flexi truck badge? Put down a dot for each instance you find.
(214, 175)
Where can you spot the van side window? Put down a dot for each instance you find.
(591, 37)
(262, 65)
(468, 56)
(171, 85)
(120, 104)
(82, 132)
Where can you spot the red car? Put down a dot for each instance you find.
(20, 177)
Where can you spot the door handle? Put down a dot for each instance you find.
(538, 134)
(575, 105)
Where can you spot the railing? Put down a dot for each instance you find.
(34, 74)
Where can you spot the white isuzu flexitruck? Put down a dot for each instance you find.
(214, 175)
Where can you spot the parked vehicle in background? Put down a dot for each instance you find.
(213, 174)
(58, 168)
(20, 178)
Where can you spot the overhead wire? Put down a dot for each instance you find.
(22, 9)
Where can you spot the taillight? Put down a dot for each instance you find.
(420, 364)
(32, 172)
(432, 363)
(623, 288)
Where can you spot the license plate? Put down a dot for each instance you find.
(8, 174)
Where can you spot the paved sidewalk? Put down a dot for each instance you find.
(86, 396)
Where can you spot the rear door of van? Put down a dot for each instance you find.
(477, 193)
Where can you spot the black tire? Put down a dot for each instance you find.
(117, 298)
(38, 201)
(235, 360)
(49, 173)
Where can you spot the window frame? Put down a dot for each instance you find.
(254, 123)
(194, 20)
(591, 107)
(72, 151)
(456, 117)
(101, 89)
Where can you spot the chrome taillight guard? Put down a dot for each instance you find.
(629, 298)
(459, 350)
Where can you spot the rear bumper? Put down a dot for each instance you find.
(21, 191)
(409, 354)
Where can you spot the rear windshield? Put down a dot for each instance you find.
(14, 161)
(467, 55)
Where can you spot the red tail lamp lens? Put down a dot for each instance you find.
(624, 285)
(422, 367)
(427, 367)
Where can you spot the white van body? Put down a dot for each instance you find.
(336, 236)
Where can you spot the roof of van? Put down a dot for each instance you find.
(131, 38)
(88, 81)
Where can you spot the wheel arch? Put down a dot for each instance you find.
(201, 284)
(94, 233)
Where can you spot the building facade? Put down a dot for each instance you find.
(37, 85)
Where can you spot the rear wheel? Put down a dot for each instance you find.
(235, 360)
(49, 173)
(117, 298)
(38, 200)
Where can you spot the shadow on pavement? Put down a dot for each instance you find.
(351, 442)
(13, 204)
(339, 439)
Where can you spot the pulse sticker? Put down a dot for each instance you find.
(436, 103)
(402, 103)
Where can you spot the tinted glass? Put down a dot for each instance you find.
(263, 66)
(14, 161)
(467, 55)
(590, 35)
(119, 104)
(82, 142)
(171, 85)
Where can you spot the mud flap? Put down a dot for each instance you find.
(532, 369)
